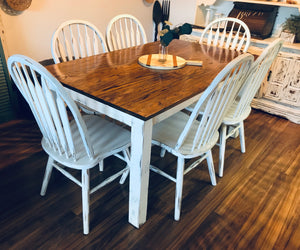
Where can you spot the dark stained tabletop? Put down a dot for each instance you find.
(116, 78)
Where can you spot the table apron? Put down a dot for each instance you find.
(164, 115)
(123, 116)
(102, 108)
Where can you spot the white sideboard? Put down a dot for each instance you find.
(280, 92)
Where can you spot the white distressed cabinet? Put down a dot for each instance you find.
(280, 92)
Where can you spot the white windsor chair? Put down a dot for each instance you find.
(241, 108)
(125, 31)
(76, 39)
(70, 139)
(227, 32)
(189, 136)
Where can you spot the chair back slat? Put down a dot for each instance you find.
(224, 34)
(115, 38)
(129, 42)
(76, 42)
(55, 126)
(64, 128)
(135, 35)
(53, 109)
(96, 45)
(230, 33)
(125, 31)
(214, 103)
(217, 35)
(61, 51)
(256, 76)
(121, 35)
(76, 39)
(28, 92)
(44, 112)
(72, 44)
(242, 41)
(235, 40)
(228, 38)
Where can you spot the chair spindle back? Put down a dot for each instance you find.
(55, 112)
(125, 31)
(214, 103)
(230, 33)
(76, 39)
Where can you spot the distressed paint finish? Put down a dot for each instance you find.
(141, 136)
(280, 93)
(115, 84)
(70, 139)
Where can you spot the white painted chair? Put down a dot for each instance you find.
(71, 140)
(190, 136)
(227, 32)
(125, 31)
(234, 120)
(76, 39)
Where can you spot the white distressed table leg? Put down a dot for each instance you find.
(141, 135)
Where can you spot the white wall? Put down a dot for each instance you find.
(30, 32)
(183, 11)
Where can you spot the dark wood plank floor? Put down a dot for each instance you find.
(256, 205)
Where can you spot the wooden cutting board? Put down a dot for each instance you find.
(172, 62)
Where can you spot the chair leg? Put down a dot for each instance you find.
(211, 168)
(126, 154)
(242, 137)
(47, 175)
(162, 152)
(124, 177)
(85, 182)
(222, 149)
(179, 186)
(101, 166)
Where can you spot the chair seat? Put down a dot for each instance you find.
(231, 118)
(103, 138)
(168, 131)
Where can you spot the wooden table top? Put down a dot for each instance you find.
(117, 79)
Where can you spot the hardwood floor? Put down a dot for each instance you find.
(256, 205)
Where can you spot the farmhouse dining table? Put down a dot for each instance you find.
(116, 85)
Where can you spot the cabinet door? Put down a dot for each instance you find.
(278, 78)
(291, 92)
(283, 84)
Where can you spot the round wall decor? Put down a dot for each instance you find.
(19, 5)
